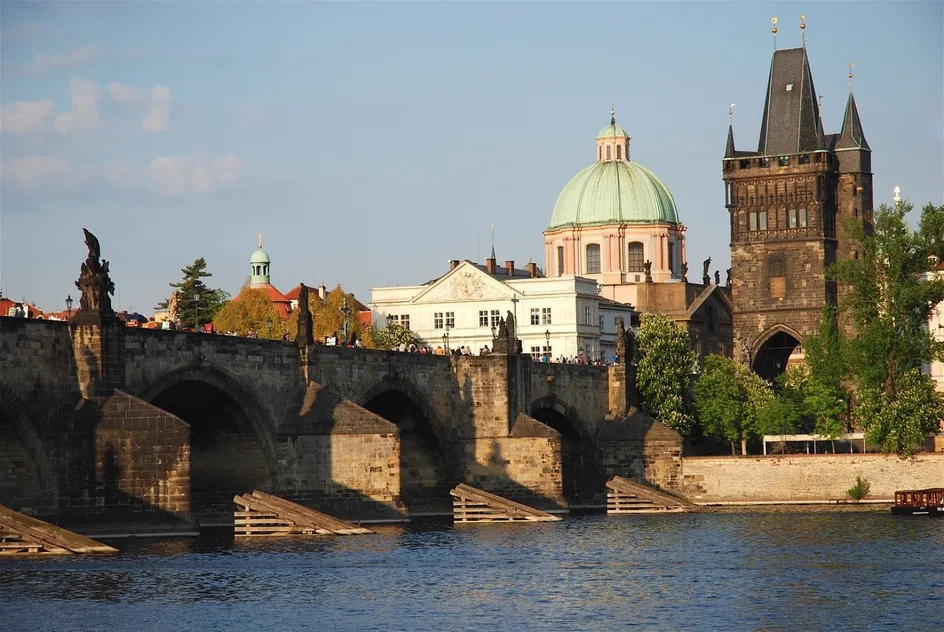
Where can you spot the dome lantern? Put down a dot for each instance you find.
(612, 141)
(259, 266)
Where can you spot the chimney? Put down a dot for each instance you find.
(533, 269)
(453, 264)
(322, 292)
(490, 265)
(510, 266)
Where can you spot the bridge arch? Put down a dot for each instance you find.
(426, 475)
(29, 477)
(580, 472)
(772, 349)
(227, 426)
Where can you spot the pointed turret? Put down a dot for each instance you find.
(852, 136)
(791, 122)
(729, 150)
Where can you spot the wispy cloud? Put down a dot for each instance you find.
(77, 57)
(26, 117)
(159, 102)
(84, 115)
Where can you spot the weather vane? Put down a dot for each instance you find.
(851, 75)
(803, 29)
(731, 113)
(773, 29)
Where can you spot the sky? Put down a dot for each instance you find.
(370, 143)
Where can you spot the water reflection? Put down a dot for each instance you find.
(761, 571)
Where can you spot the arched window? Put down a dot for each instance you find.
(599, 153)
(593, 259)
(619, 152)
(635, 260)
(560, 261)
(607, 152)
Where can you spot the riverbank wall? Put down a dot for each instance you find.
(804, 477)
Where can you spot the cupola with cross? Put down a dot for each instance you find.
(259, 266)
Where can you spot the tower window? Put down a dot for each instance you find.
(793, 218)
(753, 221)
(802, 218)
(789, 87)
(783, 161)
(805, 159)
(593, 259)
(607, 152)
(777, 274)
(763, 220)
(745, 164)
(619, 152)
(635, 259)
(560, 261)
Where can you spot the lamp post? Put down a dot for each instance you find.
(69, 306)
(196, 313)
(514, 301)
(547, 343)
(446, 341)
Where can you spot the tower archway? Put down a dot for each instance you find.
(772, 351)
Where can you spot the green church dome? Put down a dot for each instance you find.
(612, 130)
(260, 256)
(614, 192)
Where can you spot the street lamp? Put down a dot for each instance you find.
(514, 301)
(69, 305)
(196, 312)
(446, 341)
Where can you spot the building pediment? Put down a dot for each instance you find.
(465, 283)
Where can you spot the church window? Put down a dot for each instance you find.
(586, 315)
(619, 152)
(793, 218)
(777, 274)
(438, 320)
(560, 261)
(802, 218)
(593, 259)
(545, 315)
(535, 316)
(483, 318)
(635, 260)
(783, 161)
(450, 320)
(753, 220)
(763, 220)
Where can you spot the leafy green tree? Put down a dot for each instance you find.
(730, 400)
(889, 305)
(393, 335)
(250, 313)
(823, 350)
(196, 303)
(664, 366)
(825, 403)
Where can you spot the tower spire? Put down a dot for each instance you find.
(493, 242)
(612, 115)
(851, 66)
(773, 30)
(729, 149)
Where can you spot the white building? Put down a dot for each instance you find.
(936, 326)
(561, 316)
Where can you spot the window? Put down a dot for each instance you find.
(547, 351)
(753, 221)
(401, 319)
(763, 220)
(560, 261)
(805, 159)
(789, 87)
(635, 260)
(783, 161)
(802, 218)
(392, 318)
(764, 162)
(450, 320)
(593, 259)
(535, 316)
(777, 274)
(601, 324)
(535, 353)
(483, 318)
(494, 317)
(437, 320)
(586, 315)
(671, 256)
(405, 320)
(607, 152)
(745, 164)
(793, 218)
(619, 152)
(545, 315)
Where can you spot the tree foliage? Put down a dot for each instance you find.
(730, 400)
(196, 302)
(250, 313)
(328, 318)
(889, 304)
(665, 362)
(393, 335)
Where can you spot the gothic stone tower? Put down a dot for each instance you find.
(787, 202)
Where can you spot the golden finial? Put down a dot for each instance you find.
(773, 29)
(612, 115)
(731, 113)
(803, 28)
(851, 66)
(260, 241)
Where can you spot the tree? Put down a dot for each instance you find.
(194, 311)
(252, 312)
(328, 318)
(826, 405)
(889, 304)
(393, 335)
(823, 350)
(730, 399)
(665, 363)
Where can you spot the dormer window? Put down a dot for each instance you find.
(789, 87)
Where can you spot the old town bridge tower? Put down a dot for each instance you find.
(787, 203)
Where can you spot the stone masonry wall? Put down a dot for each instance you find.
(584, 389)
(20, 485)
(526, 469)
(656, 463)
(804, 477)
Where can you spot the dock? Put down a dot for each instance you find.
(262, 514)
(474, 505)
(624, 496)
(24, 535)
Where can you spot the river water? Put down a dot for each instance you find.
(784, 570)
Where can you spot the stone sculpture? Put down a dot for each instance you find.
(510, 326)
(728, 280)
(705, 277)
(94, 283)
(685, 272)
(305, 336)
(647, 266)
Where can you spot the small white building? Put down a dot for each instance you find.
(560, 316)
(936, 326)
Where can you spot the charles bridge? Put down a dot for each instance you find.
(99, 422)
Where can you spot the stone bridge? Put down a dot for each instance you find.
(99, 422)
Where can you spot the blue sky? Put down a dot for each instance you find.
(372, 142)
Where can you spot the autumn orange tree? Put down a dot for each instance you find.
(251, 311)
(328, 318)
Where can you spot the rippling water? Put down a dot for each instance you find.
(739, 571)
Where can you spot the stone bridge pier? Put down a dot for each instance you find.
(99, 422)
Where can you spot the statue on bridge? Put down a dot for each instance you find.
(625, 341)
(685, 272)
(506, 340)
(305, 336)
(94, 283)
(647, 266)
(705, 276)
(510, 325)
